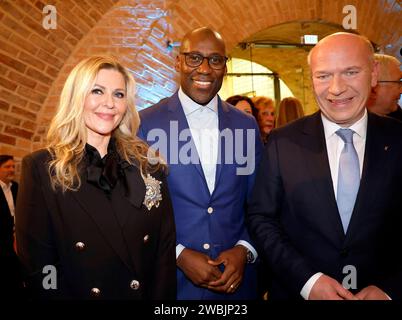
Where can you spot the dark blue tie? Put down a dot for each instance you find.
(348, 177)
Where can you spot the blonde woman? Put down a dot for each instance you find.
(94, 219)
(265, 116)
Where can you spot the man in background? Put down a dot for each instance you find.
(385, 95)
(10, 268)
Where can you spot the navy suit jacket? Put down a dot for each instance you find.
(220, 229)
(6, 220)
(294, 217)
(11, 276)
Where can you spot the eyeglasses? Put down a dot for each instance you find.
(194, 60)
(389, 81)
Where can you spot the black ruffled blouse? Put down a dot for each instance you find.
(104, 172)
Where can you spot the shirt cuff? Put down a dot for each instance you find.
(249, 247)
(305, 291)
(179, 249)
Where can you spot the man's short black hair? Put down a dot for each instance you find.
(5, 158)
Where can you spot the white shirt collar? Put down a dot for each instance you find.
(5, 186)
(360, 126)
(190, 106)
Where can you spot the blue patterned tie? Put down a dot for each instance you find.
(348, 177)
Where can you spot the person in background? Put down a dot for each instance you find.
(11, 279)
(326, 207)
(244, 104)
(94, 218)
(215, 257)
(266, 116)
(290, 109)
(385, 95)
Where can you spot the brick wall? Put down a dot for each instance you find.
(34, 62)
(30, 60)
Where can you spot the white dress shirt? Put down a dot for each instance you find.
(9, 196)
(334, 148)
(204, 127)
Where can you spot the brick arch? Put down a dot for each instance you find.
(31, 58)
(35, 62)
(236, 20)
(134, 31)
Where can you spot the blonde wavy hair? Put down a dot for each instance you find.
(67, 133)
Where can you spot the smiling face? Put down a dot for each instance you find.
(343, 72)
(105, 106)
(201, 83)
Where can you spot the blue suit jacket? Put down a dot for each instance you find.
(210, 233)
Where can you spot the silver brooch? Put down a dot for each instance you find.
(152, 192)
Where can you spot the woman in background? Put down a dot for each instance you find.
(290, 109)
(244, 104)
(265, 116)
(94, 218)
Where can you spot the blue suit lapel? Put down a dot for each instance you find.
(177, 119)
(224, 122)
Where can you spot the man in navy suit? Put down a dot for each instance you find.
(11, 279)
(212, 150)
(326, 208)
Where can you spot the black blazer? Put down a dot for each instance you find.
(6, 220)
(102, 247)
(294, 217)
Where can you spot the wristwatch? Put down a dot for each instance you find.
(250, 256)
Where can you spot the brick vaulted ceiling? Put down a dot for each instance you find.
(31, 58)
(35, 61)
